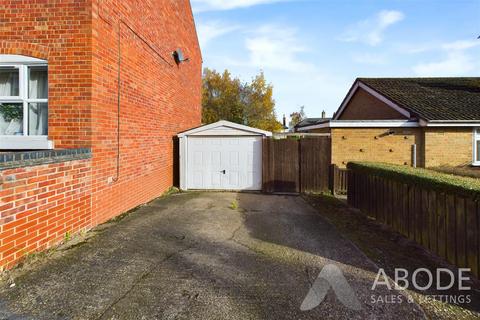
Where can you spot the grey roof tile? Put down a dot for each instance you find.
(432, 99)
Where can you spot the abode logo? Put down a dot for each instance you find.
(331, 277)
(423, 280)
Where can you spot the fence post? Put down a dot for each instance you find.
(332, 178)
(265, 166)
(299, 150)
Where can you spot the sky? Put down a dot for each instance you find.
(312, 51)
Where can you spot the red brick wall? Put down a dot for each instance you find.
(158, 99)
(364, 106)
(40, 204)
(59, 32)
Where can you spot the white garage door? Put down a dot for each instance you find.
(225, 163)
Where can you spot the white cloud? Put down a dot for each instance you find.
(217, 5)
(456, 62)
(370, 58)
(460, 45)
(210, 30)
(410, 48)
(276, 47)
(371, 31)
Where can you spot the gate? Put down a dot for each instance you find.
(296, 165)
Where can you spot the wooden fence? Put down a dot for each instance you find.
(445, 223)
(338, 180)
(296, 165)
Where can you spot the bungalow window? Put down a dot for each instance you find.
(476, 146)
(23, 96)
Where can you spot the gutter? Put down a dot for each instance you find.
(364, 124)
(391, 124)
(450, 123)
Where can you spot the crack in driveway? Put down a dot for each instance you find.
(252, 263)
(141, 278)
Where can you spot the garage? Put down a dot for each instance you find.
(221, 156)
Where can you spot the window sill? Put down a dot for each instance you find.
(25, 143)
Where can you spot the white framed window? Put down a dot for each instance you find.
(23, 102)
(476, 147)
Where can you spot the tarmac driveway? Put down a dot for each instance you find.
(201, 256)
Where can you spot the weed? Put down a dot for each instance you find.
(170, 191)
(234, 205)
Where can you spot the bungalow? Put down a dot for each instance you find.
(307, 122)
(426, 122)
(92, 94)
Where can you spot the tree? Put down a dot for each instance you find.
(221, 97)
(296, 117)
(227, 98)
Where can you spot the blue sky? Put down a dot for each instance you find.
(312, 50)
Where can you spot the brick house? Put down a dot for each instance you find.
(91, 97)
(429, 122)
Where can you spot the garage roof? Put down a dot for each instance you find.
(225, 128)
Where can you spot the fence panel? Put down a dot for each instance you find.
(281, 165)
(314, 163)
(296, 165)
(472, 235)
(338, 180)
(441, 231)
(447, 224)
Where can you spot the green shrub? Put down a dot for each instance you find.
(473, 172)
(428, 179)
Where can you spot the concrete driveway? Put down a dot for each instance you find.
(201, 256)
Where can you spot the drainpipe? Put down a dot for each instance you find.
(414, 155)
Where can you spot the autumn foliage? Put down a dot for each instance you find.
(228, 98)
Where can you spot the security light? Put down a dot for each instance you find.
(178, 56)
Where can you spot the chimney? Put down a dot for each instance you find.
(284, 121)
(323, 114)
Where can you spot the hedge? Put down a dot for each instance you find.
(429, 179)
